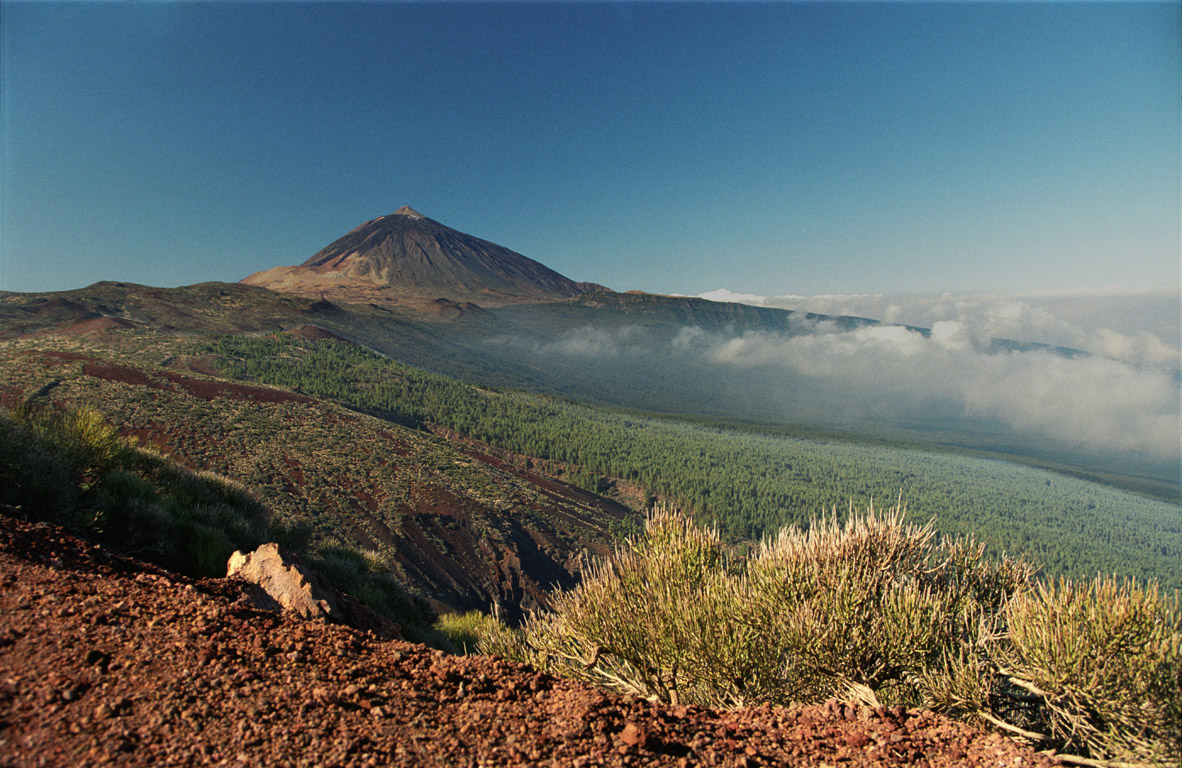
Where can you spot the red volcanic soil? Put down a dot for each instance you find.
(86, 326)
(105, 660)
(202, 388)
(168, 380)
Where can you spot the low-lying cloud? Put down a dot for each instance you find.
(1123, 396)
(894, 374)
(1139, 326)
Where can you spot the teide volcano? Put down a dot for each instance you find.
(406, 258)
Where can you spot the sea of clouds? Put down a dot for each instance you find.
(1117, 393)
(1122, 395)
(1139, 326)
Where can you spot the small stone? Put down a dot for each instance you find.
(857, 739)
(634, 736)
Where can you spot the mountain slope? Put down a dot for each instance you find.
(404, 256)
(626, 350)
(461, 528)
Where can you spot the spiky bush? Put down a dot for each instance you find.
(865, 608)
(653, 621)
(871, 609)
(1103, 660)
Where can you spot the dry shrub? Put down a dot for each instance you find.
(649, 621)
(866, 608)
(872, 609)
(1103, 657)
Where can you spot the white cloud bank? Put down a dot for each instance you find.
(895, 374)
(1122, 397)
(1139, 326)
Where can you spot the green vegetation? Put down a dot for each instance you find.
(420, 504)
(747, 484)
(73, 469)
(875, 610)
(465, 630)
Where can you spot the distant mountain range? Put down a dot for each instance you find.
(406, 258)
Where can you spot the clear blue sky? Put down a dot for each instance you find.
(769, 148)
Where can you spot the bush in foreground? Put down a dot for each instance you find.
(872, 609)
(1103, 660)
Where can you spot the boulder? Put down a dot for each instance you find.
(284, 582)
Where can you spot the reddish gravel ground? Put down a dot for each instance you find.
(105, 660)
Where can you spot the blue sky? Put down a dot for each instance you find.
(770, 148)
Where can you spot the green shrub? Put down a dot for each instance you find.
(98, 444)
(871, 609)
(37, 481)
(89, 446)
(466, 631)
(1103, 658)
(207, 549)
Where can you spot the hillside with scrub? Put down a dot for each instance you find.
(522, 526)
(461, 528)
(747, 483)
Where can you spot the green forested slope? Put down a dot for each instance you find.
(750, 484)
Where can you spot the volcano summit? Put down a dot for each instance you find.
(405, 257)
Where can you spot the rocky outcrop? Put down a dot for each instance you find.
(284, 582)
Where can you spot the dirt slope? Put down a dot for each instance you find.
(104, 660)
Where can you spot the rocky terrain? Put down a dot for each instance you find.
(106, 660)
